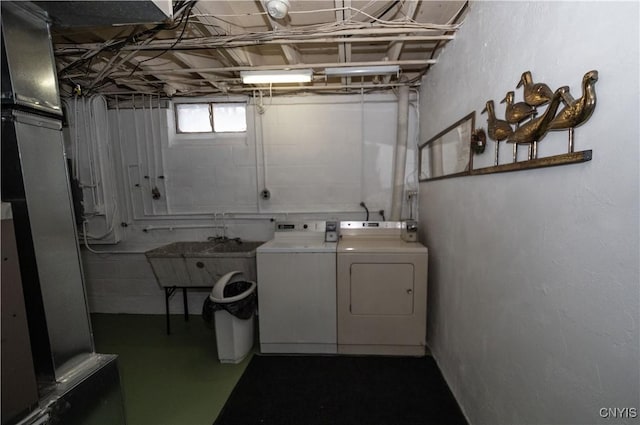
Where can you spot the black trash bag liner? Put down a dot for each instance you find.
(207, 311)
(242, 309)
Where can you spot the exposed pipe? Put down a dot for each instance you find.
(148, 149)
(160, 159)
(90, 153)
(123, 164)
(139, 158)
(184, 226)
(400, 156)
(255, 141)
(355, 87)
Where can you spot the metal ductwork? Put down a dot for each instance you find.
(106, 13)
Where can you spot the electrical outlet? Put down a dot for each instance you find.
(411, 194)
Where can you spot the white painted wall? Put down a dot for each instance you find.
(534, 282)
(323, 156)
(93, 166)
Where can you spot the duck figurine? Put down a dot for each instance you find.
(535, 94)
(498, 130)
(533, 131)
(515, 113)
(577, 111)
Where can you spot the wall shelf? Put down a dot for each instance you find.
(550, 161)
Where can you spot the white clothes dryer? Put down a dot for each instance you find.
(381, 289)
(297, 289)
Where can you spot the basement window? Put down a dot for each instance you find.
(211, 118)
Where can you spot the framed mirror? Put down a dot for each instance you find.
(448, 153)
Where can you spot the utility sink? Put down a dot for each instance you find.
(233, 247)
(180, 249)
(201, 264)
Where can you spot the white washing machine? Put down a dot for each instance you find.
(381, 289)
(297, 288)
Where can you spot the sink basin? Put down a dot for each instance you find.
(180, 249)
(233, 247)
(202, 263)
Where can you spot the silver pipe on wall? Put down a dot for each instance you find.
(400, 156)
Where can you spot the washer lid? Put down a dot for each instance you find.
(298, 245)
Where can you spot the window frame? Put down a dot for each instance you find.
(210, 104)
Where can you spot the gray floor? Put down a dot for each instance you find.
(167, 379)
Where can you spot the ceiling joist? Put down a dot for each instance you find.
(211, 42)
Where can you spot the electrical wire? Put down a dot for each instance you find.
(115, 44)
(185, 8)
(186, 23)
(363, 205)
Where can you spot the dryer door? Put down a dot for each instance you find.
(382, 303)
(381, 289)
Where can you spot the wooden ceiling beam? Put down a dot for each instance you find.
(290, 52)
(206, 43)
(395, 48)
(237, 55)
(155, 72)
(343, 13)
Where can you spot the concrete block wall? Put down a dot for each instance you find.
(323, 155)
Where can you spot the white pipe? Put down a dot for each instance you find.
(413, 202)
(148, 151)
(139, 158)
(160, 159)
(95, 147)
(153, 176)
(185, 226)
(255, 141)
(88, 142)
(400, 153)
(363, 191)
(125, 177)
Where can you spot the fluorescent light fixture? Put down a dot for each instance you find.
(277, 76)
(354, 71)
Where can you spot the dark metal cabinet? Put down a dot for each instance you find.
(19, 388)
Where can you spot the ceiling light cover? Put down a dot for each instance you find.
(353, 71)
(277, 9)
(276, 76)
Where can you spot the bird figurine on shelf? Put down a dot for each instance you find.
(533, 131)
(577, 111)
(498, 130)
(534, 94)
(515, 113)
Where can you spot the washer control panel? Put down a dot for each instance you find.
(300, 226)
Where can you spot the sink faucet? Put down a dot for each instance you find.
(224, 237)
(224, 226)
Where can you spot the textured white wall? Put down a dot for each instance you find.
(534, 282)
(322, 154)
